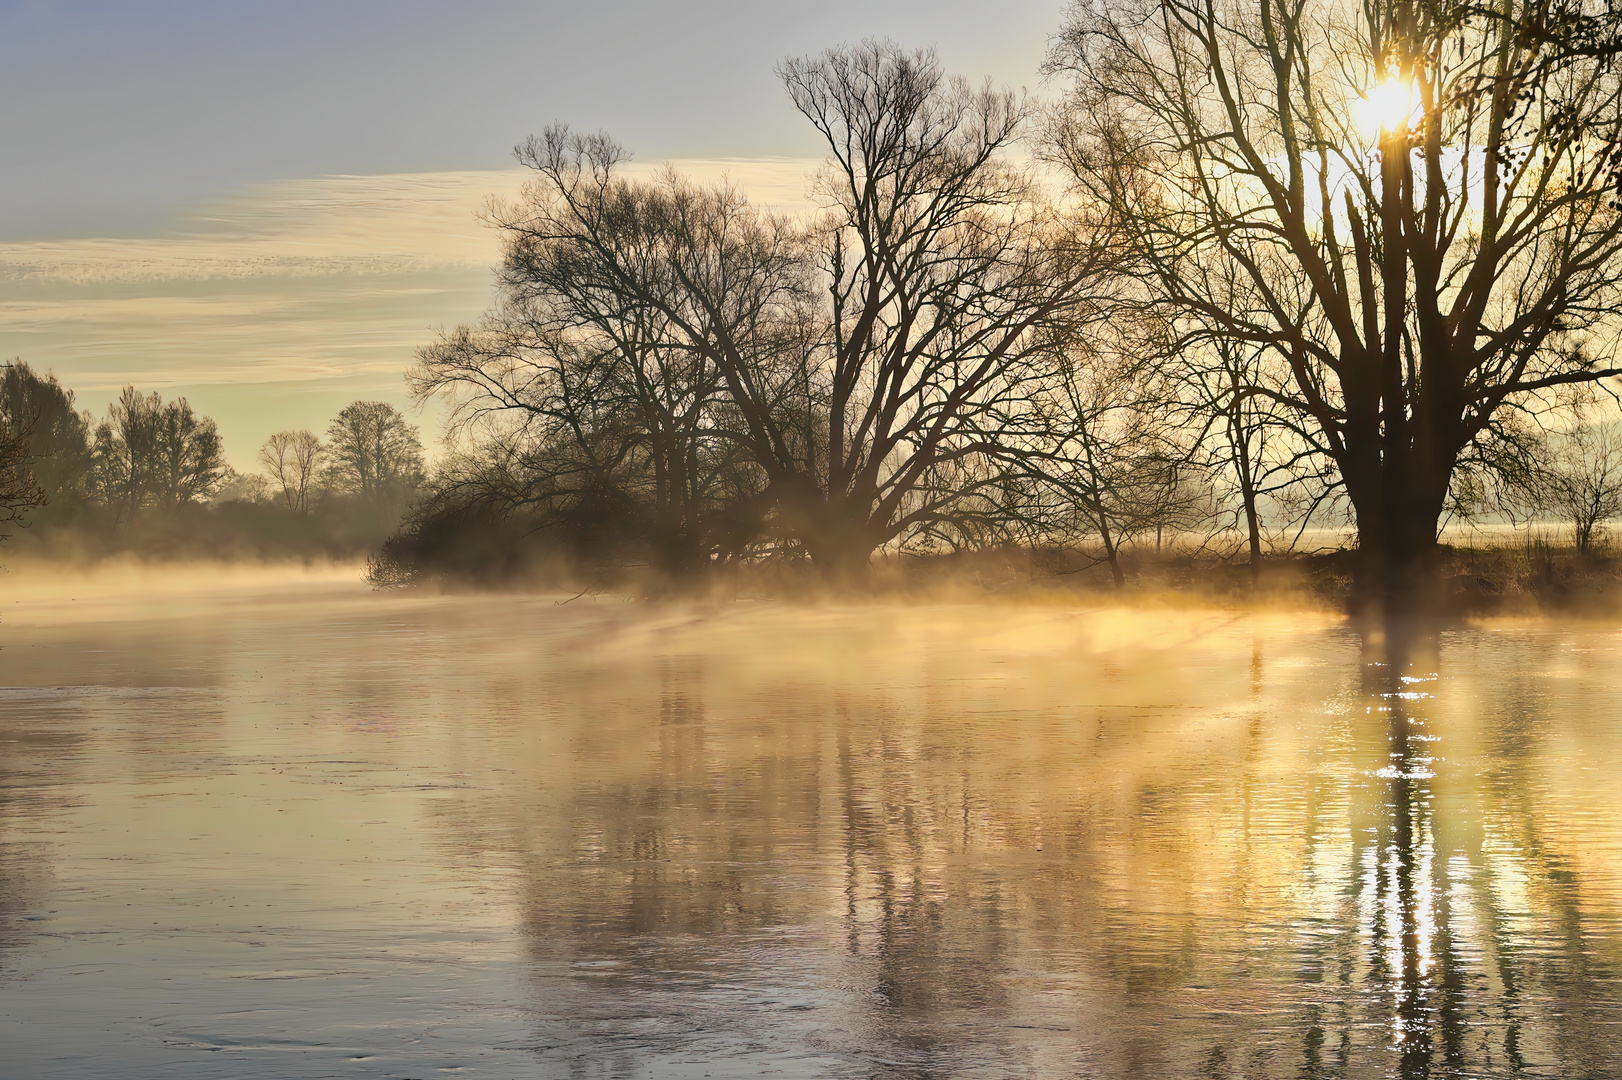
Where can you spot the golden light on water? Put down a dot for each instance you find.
(1148, 838)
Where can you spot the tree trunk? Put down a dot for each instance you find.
(1247, 494)
(1397, 545)
(1112, 551)
(676, 551)
(1254, 531)
(838, 538)
(843, 560)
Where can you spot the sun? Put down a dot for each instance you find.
(1392, 105)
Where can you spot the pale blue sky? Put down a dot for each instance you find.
(266, 206)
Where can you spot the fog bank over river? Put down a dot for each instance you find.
(286, 827)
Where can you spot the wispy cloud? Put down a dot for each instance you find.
(340, 226)
(268, 306)
(333, 226)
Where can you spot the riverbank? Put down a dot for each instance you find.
(1530, 579)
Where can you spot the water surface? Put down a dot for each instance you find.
(299, 830)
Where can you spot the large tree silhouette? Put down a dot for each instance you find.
(1419, 198)
(866, 357)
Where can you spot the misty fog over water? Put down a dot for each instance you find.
(294, 828)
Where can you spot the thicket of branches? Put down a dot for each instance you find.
(1271, 269)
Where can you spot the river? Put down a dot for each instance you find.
(266, 827)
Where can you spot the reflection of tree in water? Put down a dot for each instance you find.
(701, 869)
(1463, 988)
(724, 866)
(37, 747)
(1411, 948)
(1546, 949)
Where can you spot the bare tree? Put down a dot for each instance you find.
(293, 460)
(1099, 457)
(1573, 472)
(125, 443)
(862, 355)
(1420, 273)
(372, 451)
(1583, 481)
(188, 458)
(150, 453)
(1272, 479)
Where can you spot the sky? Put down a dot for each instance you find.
(267, 207)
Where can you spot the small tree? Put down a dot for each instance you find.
(1575, 475)
(1270, 477)
(293, 460)
(58, 436)
(373, 452)
(148, 453)
(1101, 429)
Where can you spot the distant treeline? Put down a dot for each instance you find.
(150, 478)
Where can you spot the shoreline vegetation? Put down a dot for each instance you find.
(1536, 577)
(112, 500)
(1529, 575)
(106, 503)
